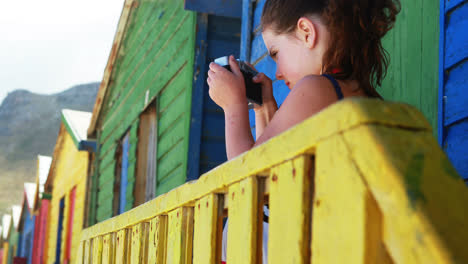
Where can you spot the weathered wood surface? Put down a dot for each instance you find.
(368, 187)
(151, 61)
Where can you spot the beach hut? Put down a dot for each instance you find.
(66, 182)
(26, 224)
(6, 223)
(155, 126)
(41, 208)
(12, 234)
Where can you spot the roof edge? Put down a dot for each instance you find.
(121, 29)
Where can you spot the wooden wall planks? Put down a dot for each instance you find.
(153, 63)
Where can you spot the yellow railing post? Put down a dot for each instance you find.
(290, 212)
(207, 243)
(157, 244)
(243, 222)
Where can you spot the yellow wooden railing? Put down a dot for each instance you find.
(364, 181)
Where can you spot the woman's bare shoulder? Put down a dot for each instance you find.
(313, 91)
(309, 96)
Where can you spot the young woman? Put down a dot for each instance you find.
(325, 50)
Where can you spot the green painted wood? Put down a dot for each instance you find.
(139, 68)
(413, 51)
(175, 179)
(178, 85)
(170, 160)
(131, 108)
(173, 135)
(155, 61)
(148, 32)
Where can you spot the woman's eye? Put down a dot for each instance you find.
(273, 55)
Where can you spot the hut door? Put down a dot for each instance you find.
(58, 248)
(453, 72)
(146, 156)
(124, 173)
(68, 240)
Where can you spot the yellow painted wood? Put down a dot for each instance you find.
(157, 240)
(423, 200)
(346, 223)
(243, 221)
(68, 170)
(290, 211)
(380, 195)
(108, 252)
(87, 252)
(97, 250)
(139, 243)
(180, 230)
(123, 249)
(207, 246)
(301, 139)
(79, 255)
(6, 250)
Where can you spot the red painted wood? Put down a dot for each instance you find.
(71, 210)
(40, 233)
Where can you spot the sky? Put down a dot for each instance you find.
(48, 46)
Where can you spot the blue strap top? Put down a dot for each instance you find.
(338, 91)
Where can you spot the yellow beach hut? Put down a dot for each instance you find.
(6, 222)
(66, 182)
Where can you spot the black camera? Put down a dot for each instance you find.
(253, 90)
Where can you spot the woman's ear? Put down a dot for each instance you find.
(307, 31)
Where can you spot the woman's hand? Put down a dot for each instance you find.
(267, 90)
(227, 88)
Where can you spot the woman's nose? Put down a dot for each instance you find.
(278, 75)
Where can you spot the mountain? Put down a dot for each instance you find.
(29, 125)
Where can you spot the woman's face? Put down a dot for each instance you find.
(294, 59)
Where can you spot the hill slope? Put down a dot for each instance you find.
(29, 125)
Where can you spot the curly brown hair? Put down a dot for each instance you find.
(356, 28)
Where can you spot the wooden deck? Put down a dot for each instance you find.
(364, 181)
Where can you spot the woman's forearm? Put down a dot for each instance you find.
(238, 135)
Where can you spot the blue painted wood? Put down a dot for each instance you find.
(456, 147)
(258, 15)
(453, 75)
(227, 8)
(456, 37)
(199, 80)
(451, 4)
(58, 247)
(124, 173)
(456, 92)
(246, 29)
(26, 235)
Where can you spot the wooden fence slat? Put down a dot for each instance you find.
(290, 211)
(243, 222)
(139, 243)
(206, 245)
(346, 221)
(123, 249)
(79, 255)
(97, 250)
(87, 252)
(179, 248)
(157, 241)
(108, 252)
